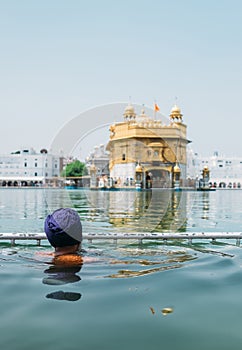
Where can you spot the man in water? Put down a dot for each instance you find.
(64, 232)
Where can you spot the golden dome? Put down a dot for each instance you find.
(176, 113)
(129, 112)
(176, 169)
(129, 108)
(175, 109)
(138, 168)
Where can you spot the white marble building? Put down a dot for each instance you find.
(29, 168)
(225, 171)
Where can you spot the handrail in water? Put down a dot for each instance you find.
(140, 236)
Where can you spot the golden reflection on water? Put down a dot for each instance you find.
(130, 273)
(159, 210)
(165, 264)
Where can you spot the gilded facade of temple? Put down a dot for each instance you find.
(146, 152)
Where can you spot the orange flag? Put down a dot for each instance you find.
(157, 108)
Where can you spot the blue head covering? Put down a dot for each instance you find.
(63, 228)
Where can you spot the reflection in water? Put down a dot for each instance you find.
(59, 275)
(60, 295)
(124, 211)
(205, 205)
(164, 259)
(171, 260)
(130, 273)
(135, 211)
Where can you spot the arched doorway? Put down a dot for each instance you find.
(158, 177)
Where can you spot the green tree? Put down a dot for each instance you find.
(74, 169)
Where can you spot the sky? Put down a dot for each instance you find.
(60, 58)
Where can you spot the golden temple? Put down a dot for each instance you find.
(144, 152)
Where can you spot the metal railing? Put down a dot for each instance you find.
(190, 236)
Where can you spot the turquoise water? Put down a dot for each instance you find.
(116, 302)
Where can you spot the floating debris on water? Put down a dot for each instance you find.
(167, 310)
(152, 310)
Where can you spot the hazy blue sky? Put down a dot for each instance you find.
(60, 58)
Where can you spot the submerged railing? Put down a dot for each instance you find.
(190, 236)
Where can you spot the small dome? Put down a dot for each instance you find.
(138, 168)
(176, 169)
(175, 109)
(176, 113)
(129, 109)
(129, 112)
